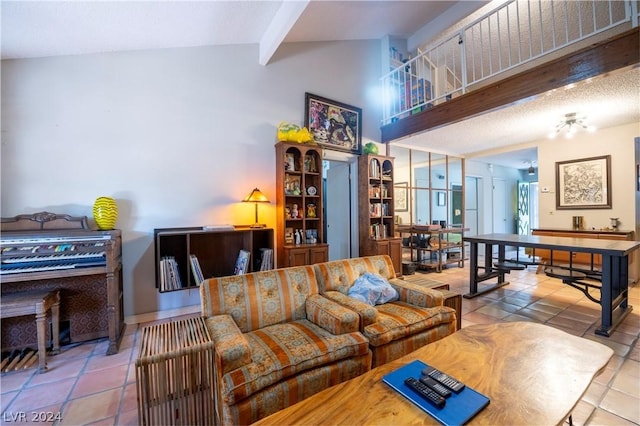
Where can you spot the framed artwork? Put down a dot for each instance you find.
(440, 198)
(401, 196)
(334, 125)
(584, 183)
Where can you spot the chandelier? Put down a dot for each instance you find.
(570, 125)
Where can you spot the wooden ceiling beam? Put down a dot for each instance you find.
(618, 52)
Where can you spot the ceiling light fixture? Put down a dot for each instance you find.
(571, 124)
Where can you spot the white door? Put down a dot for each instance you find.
(337, 207)
(471, 204)
(499, 206)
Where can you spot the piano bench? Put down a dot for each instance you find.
(36, 302)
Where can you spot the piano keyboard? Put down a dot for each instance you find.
(54, 257)
(51, 265)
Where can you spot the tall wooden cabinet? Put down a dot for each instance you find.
(299, 210)
(376, 209)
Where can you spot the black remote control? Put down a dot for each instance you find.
(425, 391)
(448, 381)
(436, 386)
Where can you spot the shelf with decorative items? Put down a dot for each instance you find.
(432, 246)
(300, 227)
(376, 215)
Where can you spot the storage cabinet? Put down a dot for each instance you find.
(215, 251)
(299, 208)
(578, 258)
(307, 254)
(430, 248)
(376, 209)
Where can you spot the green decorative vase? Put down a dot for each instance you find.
(105, 212)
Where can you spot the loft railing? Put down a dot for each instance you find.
(513, 34)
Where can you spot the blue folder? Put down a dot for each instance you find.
(459, 408)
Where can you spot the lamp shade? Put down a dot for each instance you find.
(256, 196)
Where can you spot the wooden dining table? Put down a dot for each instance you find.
(614, 291)
(532, 374)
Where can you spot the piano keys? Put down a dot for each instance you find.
(52, 251)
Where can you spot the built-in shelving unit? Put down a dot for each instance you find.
(299, 205)
(376, 209)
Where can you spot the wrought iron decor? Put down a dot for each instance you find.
(584, 183)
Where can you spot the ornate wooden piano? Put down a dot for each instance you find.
(51, 251)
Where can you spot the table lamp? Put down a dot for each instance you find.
(256, 197)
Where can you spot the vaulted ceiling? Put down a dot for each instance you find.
(54, 28)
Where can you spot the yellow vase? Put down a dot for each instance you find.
(105, 213)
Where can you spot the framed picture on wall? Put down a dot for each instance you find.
(584, 183)
(441, 198)
(334, 125)
(401, 196)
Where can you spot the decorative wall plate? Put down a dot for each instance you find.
(311, 190)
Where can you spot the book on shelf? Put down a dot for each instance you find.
(266, 259)
(242, 263)
(195, 268)
(169, 274)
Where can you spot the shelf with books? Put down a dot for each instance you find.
(186, 256)
(298, 202)
(376, 216)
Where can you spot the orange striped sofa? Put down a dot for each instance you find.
(395, 328)
(277, 341)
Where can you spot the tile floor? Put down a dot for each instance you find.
(85, 387)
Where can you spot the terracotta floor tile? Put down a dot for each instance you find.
(624, 405)
(99, 362)
(60, 368)
(628, 378)
(43, 395)
(16, 380)
(100, 380)
(603, 417)
(92, 408)
(581, 413)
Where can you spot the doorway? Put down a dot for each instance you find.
(338, 201)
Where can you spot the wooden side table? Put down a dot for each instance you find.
(36, 302)
(174, 374)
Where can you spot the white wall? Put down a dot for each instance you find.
(177, 136)
(485, 204)
(614, 141)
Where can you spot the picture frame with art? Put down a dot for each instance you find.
(334, 125)
(584, 183)
(401, 196)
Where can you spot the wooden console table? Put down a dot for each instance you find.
(614, 300)
(533, 374)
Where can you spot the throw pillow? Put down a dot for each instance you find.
(372, 289)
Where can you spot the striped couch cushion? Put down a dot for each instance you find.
(260, 299)
(284, 350)
(397, 320)
(339, 275)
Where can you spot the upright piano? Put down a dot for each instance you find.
(52, 251)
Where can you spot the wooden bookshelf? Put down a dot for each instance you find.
(299, 189)
(216, 251)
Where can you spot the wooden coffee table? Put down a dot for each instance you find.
(533, 374)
